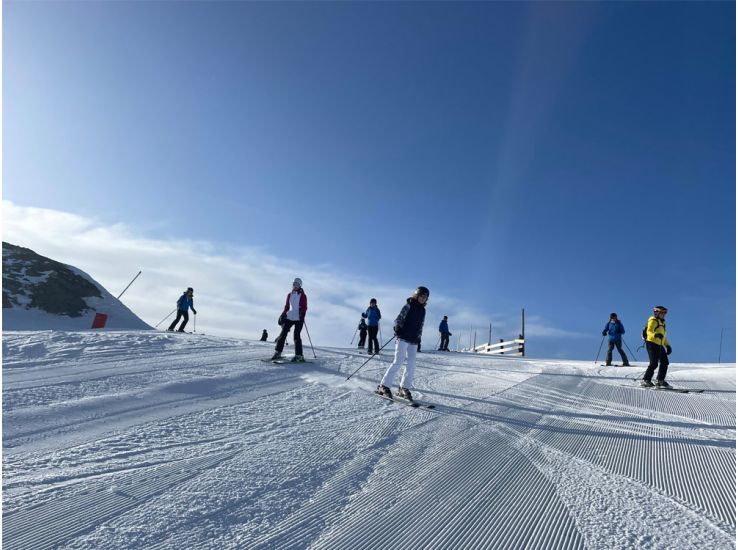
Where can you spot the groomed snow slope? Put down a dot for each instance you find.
(153, 440)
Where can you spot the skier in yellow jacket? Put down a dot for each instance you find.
(658, 348)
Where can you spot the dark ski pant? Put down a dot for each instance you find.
(362, 338)
(180, 313)
(444, 341)
(656, 357)
(286, 326)
(373, 342)
(619, 344)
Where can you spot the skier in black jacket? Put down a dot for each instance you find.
(362, 328)
(408, 329)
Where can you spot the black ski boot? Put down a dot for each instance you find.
(646, 383)
(405, 393)
(662, 384)
(383, 390)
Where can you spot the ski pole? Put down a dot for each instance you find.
(599, 350)
(380, 333)
(352, 339)
(310, 340)
(194, 323)
(631, 351)
(165, 318)
(370, 358)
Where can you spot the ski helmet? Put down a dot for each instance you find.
(422, 291)
(189, 289)
(613, 316)
(660, 309)
(297, 282)
(373, 301)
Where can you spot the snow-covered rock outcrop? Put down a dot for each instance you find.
(43, 294)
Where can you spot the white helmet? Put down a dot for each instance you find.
(297, 282)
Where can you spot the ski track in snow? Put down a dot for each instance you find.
(152, 440)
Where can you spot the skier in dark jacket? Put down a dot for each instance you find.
(264, 336)
(614, 329)
(373, 316)
(445, 334)
(362, 328)
(184, 304)
(408, 330)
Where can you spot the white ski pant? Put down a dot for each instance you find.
(402, 349)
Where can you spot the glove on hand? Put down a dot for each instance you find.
(668, 350)
(280, 321)
(604, 333)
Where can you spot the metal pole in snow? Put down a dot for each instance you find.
(129, 284)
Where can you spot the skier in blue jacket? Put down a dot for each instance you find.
(184, 304)
(614, 329)
(372, 316)
(445, 334)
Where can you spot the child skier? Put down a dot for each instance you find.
(362, 328)
(293, 314)
(373, 315)
(408, 329)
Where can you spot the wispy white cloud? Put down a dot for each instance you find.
(239, 290)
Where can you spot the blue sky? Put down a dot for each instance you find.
(570, 158)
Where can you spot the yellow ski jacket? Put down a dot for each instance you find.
(656, 331)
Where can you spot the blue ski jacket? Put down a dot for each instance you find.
(184, 303)
(614, 330)
(373, 315)
(443, 327)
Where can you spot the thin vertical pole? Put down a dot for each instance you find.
(489, 340)
(720, 353)
(475, 341)
(523, 333)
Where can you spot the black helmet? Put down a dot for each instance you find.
(659, 309)
(421, 291)
(613, 316)
(189, 289)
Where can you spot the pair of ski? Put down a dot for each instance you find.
(657, 388)
(285, 361)
(402, 401)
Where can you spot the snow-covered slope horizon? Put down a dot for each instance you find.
(142, 439)
(42, 294)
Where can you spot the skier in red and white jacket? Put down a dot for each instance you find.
(295, 308)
